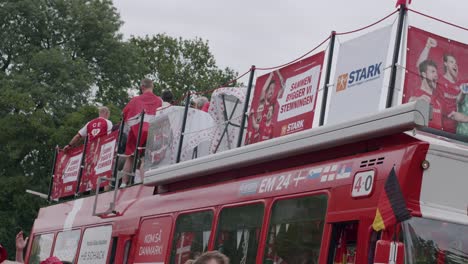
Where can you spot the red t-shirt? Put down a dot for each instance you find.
(148, 102)
(447, 93)
(267, 132)
(436, 121)
(96, 128)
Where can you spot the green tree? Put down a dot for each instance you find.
(178, 64)
(58, 60)
(57, 57)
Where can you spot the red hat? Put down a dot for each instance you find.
(3, 254)
(51, 260)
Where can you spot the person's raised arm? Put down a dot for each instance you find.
(431, 43)
(21, 243)
(265, 86)
(280, 77)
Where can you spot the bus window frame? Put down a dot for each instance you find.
(326, 236)
(332, 247)
(176, 216)
(83, 230)
(28, 252)
(78, 248)
(264, 201)
(363, 234)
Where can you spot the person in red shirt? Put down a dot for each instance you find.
(448, 89)
(268, 127)
(147, 102)
(95, 128)
(448, 94)
(429, 77)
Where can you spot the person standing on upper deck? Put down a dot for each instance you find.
(97, 127)
(147, 102)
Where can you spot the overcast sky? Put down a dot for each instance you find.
(271, 32)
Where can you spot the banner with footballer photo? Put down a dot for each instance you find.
(99, 161)
(67, 168)
(284, 100)
(437, 71)
(359, 76)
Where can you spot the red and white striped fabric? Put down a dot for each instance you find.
(148, 102)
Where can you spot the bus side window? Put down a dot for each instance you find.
(238, 232)
(95, 245)
(344, 243)
(191, 236)
(41, 248)
(66, 245)
(295, 230)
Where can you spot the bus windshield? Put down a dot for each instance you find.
(431, 241)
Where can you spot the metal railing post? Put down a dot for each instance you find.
(51, 183)
(246, 106)
(327, 78)
(396, 54)
(184, 122)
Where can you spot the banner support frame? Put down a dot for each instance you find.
(184, 122)
(116, 154)
(396, 55)
(327, 78)
(246, 106)
(51, 183)
(137, 148)
(80, 173)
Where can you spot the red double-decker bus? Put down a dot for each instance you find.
(309, 197)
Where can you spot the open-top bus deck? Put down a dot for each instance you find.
(309, 197)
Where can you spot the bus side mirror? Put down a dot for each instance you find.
(389, 252)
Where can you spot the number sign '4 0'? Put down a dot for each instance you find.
(363, 183)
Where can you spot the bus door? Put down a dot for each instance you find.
(343, 244)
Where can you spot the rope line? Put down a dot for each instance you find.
(438, 19)
(368, 26)
(223, 85)
(286, 64)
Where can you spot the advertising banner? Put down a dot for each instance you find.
(99, 161)
(284, 100)
(67, 168)
(153, 240)
(95, 245)
(437, 71)
(359, 76)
